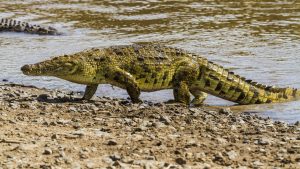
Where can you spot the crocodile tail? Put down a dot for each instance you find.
(220, 82)
(297, 94)
(271, 94)
(18, 26)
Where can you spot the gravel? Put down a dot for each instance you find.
(42, 128)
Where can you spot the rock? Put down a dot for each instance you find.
(72, 109)
(150, 158)
(115, 157)
(76, 126)
(76, 165)
(200, 157)
(166, 120)
(55, 136)
(146, 164)
(263, 141)
(218, 158)
(232, 155)
(112, 143)
(45, 166)
(27, 147)
(159, 125)
(180, 161)
(47, 151)
(257, 163)
(221, 140)
(90, 165)
(137, 137)
(282, 150)
(233, 128)
(63, 121)
(191, 143)
(107, 160)
(83, 154)
(14, 105)
(79, 133)
(43, 97)
(246, 141)
(225, 111)
(142, 106)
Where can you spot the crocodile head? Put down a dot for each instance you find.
(43, 30)
(64, 67)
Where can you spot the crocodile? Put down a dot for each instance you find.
(151, 67)
(11, 25)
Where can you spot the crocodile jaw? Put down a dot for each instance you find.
(63, 69)
(32, 70)
(50, 68)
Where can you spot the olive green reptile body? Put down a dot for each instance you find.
(150, 67)
(11, 25)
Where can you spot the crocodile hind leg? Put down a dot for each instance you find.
(125, 80)
(90, 90)
(184, 76)
(199, 97)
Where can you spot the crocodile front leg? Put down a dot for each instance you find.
(181, 93)
(125, 80)
(90, 90)
(185, 75)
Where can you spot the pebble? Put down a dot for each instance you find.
(43, 97)
(55, 136)
(166, 120)
(112, 143)
(225, 111)
(72, 109)
(233, 128)
(180, 161)
(47, 151)
(257, 163)
(107, 160)
(27, 147)
(115, 157)
(232, 155)
(221, 140)
(263, 141)
(218, 158)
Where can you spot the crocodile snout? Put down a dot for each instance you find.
(26, 69)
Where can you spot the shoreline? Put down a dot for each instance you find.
(43, 128)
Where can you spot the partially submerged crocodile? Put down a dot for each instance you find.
(10, 25)
(148, 67)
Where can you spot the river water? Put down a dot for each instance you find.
(256, 39)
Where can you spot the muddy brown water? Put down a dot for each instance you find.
(256, 39)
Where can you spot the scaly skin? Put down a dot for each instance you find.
(10, 25)
(148, 67)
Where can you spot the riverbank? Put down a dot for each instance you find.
(42, 128)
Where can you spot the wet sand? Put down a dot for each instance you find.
(41, 128)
